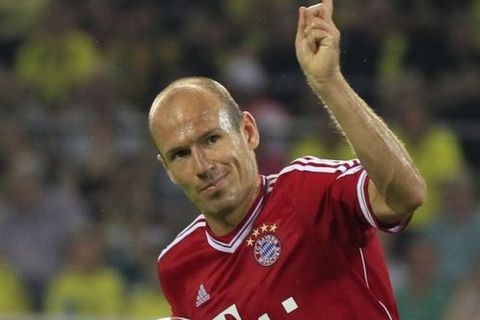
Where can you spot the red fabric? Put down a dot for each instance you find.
(325, 255)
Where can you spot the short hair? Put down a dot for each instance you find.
(234, 112)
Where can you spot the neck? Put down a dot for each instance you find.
(226, 223)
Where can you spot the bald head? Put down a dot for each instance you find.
(185, 86)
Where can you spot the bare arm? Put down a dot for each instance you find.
(397, 187)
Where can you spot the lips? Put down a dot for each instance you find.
(212, 185)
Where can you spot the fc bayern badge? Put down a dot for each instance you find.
(267, 249)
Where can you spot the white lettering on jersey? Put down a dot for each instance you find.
(231, 311)
(288, 304)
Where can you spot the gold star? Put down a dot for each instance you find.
(256, 233)
(264, 227)
(273, 227)
(250, 242)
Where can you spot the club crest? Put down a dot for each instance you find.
(266, 245)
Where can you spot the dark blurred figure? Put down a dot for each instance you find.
(465, 303)
(86, 286)
(456, 231)
(39, 214)
(423, 294)
(58, 56)
(433, 146)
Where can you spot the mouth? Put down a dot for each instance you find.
(214, 185)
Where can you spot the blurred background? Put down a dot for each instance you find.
(85, 208)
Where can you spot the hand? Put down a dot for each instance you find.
(317, 43)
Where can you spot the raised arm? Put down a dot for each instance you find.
(396, 188)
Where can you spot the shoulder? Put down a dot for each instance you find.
(185, 239)
(317, 165)
(308, 175)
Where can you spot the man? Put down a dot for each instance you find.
(300, 244)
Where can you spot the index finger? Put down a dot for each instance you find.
(322, 10)
(301, 20)
(328, 5)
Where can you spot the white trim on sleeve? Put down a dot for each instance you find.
(362, 200)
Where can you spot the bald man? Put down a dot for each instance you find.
(300, 244)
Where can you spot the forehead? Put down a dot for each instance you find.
(186, 114)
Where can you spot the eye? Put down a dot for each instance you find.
(180, 154)
(212, 139)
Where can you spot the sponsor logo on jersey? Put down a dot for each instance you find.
(202, 296)
(266, 245)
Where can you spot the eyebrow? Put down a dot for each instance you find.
(172, 151)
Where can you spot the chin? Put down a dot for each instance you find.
(220, 204)
(220, 209)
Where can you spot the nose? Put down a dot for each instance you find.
(202, 165)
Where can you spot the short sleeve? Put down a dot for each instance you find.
(334, 192)
(350, 194)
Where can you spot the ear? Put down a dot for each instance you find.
(162, 161)
(249, 129)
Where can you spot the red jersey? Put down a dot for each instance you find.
(307, 249)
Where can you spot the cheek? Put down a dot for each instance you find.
(245, 161)
(190, 191)
(180, 175)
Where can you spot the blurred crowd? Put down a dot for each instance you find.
(85, 208)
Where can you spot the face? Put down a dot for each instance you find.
(204, 153)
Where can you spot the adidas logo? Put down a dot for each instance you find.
(202, 296)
